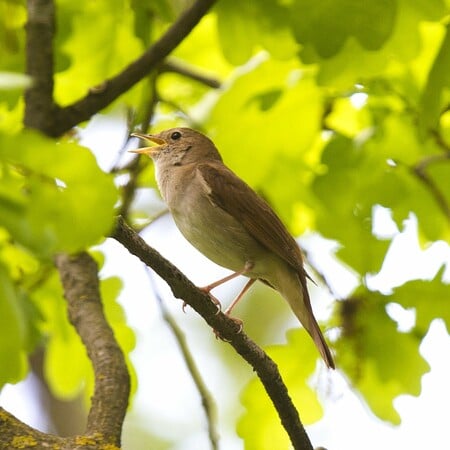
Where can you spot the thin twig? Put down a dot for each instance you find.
(185, 70)
(420, 171)
(441, 142)
(207, 400)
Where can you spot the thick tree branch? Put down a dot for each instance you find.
(39, 106)
(112, 383)
(182, 288)
(103, 95)
(78, 275)
(16, 434)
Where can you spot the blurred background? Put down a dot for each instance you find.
(338, 115)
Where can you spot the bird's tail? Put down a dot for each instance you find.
(300, 304)
(320, 342)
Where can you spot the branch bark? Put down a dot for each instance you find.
(265, 367)
(188, 72)
(420, 170)
(104, 94)
(40, 109)
(112, 382)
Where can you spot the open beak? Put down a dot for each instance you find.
(151, 151)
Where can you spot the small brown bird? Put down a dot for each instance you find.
(228, 222)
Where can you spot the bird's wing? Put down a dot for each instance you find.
(234, 196)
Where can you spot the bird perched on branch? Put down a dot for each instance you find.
(228, 222)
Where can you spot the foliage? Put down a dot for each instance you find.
(329, 109)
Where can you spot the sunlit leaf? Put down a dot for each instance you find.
(433, 100)
(101, 42)
(255, 130)
(355, 63)
(50, 192)
(13, 332)
(262, 23)
(370, 23)
(344, 213)
(376, 356)
(430, 299)
(68, 377)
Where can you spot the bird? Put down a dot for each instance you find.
(227, 221)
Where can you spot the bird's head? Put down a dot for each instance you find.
(178, 146)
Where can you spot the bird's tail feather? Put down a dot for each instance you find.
(301, 306)
(320, 342)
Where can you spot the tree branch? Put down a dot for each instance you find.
(420, 170)
(112, 383)
(39, 106)
(104, 94)
(182, 288)
(16, 434)
(183, 69)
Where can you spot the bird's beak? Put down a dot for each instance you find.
(151, 151)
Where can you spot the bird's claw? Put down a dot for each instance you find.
(216, 302)
(237, 321)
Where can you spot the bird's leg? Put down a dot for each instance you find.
(248, 266)
(207, 289)
(239, 296)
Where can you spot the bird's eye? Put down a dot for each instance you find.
(175, 135)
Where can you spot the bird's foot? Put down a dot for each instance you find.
(206, 290)
(237, 321)
(213, 299)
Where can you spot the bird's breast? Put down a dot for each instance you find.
(214, 232)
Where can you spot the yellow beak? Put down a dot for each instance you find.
(151, 151)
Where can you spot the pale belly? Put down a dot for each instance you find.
(222, 239)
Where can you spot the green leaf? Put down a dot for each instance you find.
(254, 24)
(433, 100)
(201, 49)
(53, 195)
(327, 24)
(101, 42)
(110, 289)
(260, 426)
(376, 357)
(67, 377)
(144, 14)
(13, 332)
(344, 210)
(409, 39)
(263, 120)
(12, 34)
(430, 299)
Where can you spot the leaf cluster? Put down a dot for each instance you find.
(331, 110)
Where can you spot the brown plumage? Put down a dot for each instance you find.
(228, 222)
